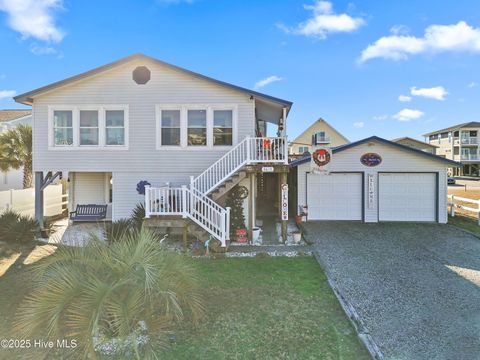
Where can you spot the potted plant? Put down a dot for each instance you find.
(235, 199)
(297, 237)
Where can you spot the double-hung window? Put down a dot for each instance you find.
(222, 127)
(197, 127)
(63, 127)
(170, 127)
(114, 127)
(89, 134)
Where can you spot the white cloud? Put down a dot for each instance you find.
(7, 94)
(359, 124)
(264, 82)
(42, 50)
(408, 115)
(437, 92)
(399, 29)
(404, 98)
(380, 117)
(437, 38)
(324, 21)
(34, 18)
(472, 84)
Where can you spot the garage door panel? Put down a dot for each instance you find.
(335, 197)
(407, 197)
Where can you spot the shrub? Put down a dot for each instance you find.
(131, 287)
(17, 228)
(118, 230)
(138, 214)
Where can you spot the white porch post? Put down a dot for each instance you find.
(147, 202)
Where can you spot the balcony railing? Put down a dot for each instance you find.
(469, 141)
(470, 157)
(322, 139)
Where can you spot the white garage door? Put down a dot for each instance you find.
(407, 197)
(335, 197)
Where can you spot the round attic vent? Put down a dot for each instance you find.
(141, 75)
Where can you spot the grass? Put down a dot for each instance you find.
(466, 223)
(258, 308)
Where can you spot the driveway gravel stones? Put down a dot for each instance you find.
(415, 287)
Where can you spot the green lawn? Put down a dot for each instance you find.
(258, 308)
(465, 223)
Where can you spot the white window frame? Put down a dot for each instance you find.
(303, 146)
(76, 127)
(184, 126)
(51, 131)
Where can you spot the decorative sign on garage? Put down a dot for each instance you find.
(371, 191)
(320, 162)
(284, 202)
(371, 159)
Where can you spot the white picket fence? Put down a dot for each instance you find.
(23, 201)
(454, 203)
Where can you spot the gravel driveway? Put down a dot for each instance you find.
(415, 287)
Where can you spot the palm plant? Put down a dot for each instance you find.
(16, 151)
(111, 291)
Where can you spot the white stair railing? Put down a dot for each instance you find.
(189, 204)
(194, 203)
(250, 150)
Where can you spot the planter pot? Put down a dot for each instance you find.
(256, 234)
(297, 237)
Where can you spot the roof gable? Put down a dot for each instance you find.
(414, 140)
(27, 98)
(385, 142)
(315, 123)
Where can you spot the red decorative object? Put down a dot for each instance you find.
(321, 157)
(241, 235)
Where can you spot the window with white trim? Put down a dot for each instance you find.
(303, 149)
(89, 128)
(170, 127)
(197, 127)
(222, 127)
(63, 127)
(114, 127)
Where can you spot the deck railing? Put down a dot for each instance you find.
(193, 202)
(251, 150)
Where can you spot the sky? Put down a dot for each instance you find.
(368, 67)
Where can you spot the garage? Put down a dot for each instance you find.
(407, 197)
(338, 196)
(371, 180)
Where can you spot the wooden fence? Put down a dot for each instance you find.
(458, 202)
(23, 201)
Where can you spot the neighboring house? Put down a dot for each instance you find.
(320, 133)
(140, 121)
(13, 179)
(373, 180)
(416, 144)
(460, 143)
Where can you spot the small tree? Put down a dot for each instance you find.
(16, 152)
(235, 202)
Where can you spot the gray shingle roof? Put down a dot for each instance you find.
(12, 114)
(471, 124)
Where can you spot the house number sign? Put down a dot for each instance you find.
(371, 191)
(284, 202)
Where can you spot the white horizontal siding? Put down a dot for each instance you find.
(393, 160)
(166, 86)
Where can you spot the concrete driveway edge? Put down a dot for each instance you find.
(352, 315)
